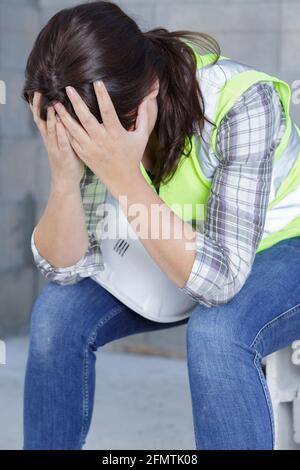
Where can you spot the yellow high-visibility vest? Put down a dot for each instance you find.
(187, 192)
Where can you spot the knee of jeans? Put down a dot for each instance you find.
(52, 328)
(212, 331)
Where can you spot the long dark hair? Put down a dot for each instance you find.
(98, 40)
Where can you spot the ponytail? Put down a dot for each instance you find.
(180, 101)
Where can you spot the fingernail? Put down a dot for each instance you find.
(70, 90)
(99, 84)
(58, 107)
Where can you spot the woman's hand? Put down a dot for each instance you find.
(108, 149)
(66, 168)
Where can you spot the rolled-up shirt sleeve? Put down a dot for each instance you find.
(236, 209)
(88, 264)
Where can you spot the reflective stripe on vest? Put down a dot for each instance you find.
(221, 84)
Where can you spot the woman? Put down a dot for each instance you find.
(239, 264)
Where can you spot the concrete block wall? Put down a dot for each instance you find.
(262, 33)
(19, 24)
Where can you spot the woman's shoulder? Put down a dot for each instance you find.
(258, 93)
(253, 106)
(255, 117)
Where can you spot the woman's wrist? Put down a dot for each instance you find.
(64, 188)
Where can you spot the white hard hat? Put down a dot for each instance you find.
(133, 276)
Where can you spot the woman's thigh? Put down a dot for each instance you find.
(83, 312)
(265, 313)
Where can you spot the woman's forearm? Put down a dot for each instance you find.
(169, 240)
(61, 236)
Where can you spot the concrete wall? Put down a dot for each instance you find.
(264, 34)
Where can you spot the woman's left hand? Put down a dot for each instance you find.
(108, 149)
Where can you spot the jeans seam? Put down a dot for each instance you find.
(258, 357)
(85, 407)
(271, 324)
(267, 396)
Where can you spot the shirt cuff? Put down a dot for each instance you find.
(195, 283)
(89, 263)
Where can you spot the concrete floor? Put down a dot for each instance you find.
(141, 402)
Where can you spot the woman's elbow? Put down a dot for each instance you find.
(218, 294)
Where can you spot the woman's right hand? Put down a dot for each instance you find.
(66, 167)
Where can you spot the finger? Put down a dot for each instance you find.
(41, 124)
(51, 126)
(87, 119)
(74, 128)
(108, 113)
(142, 120)
(62, 138)
(73, 142)
(68, 134)
(77, 148)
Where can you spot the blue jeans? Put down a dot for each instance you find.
(225, 344)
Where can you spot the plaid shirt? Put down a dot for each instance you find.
(236, 210)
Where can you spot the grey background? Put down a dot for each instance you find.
(264, 34)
